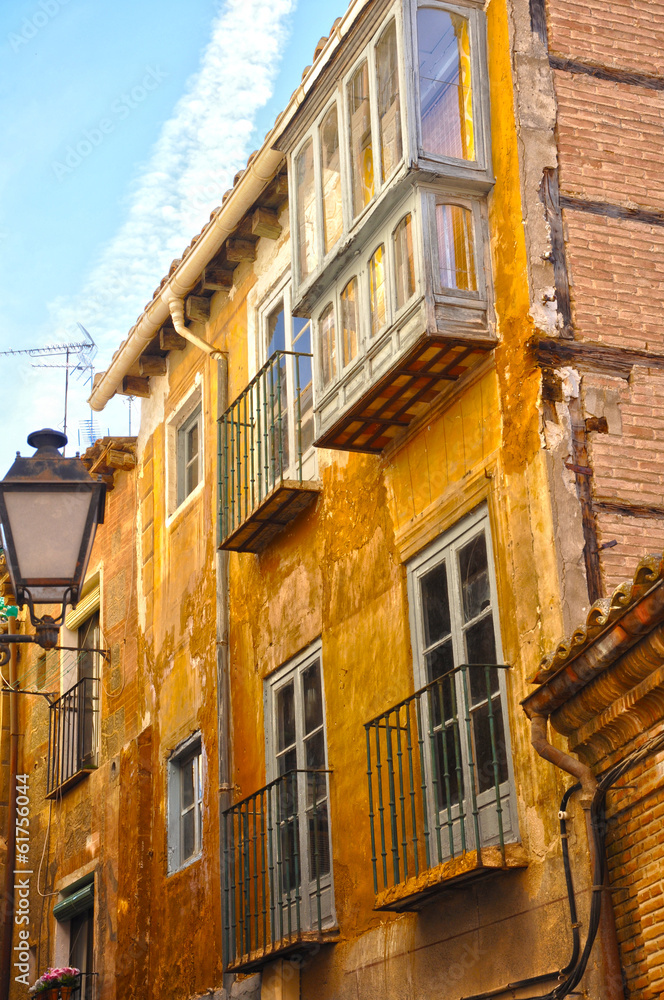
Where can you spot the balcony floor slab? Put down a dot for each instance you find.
(418, 890)
(281, 506)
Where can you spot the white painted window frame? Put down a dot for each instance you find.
(339, 98)
(473, 10)
(445, 549)
(183, 411)
(182, 755)
(283, 292)
(292, 671)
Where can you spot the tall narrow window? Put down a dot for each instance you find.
(377, 290)
(456, 649)
(389, 114)
(297, 756)
(361, 148)
(189, 454)
(446, 99)
(404, 261)
(185, 804)
(332, 217)
(306, 210)
(456, 251)
(349, 321)
(328, 345)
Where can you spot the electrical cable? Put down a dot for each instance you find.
(598, 828)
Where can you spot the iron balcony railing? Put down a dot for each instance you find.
(263, 437)
(438, 775)
(276, 883)
(72, 733)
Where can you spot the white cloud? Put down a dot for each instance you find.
(202, 146)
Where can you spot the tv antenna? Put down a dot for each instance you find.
(78, 357)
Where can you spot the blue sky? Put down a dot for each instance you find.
(123, 123)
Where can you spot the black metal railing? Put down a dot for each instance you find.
(263, 436)
(72, 733)
(437, 774)
(273, 883)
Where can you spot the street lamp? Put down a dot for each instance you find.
(50, 507)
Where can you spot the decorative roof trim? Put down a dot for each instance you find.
(613, 625)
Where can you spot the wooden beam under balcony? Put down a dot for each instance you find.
(135, 385)
(169, 340)
(152, 364)
(283, 504)
(265, 223)
(401, 394)
(197, 308)
(216, 278)
(240, 250)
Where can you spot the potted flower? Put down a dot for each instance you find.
(55, 984)
(67, 980)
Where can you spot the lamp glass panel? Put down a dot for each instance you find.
(47, 529)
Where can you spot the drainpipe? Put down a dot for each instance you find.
(176, 308)
(613, 986)
(223, 682)
(10, 857)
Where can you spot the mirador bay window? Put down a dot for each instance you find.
(351, 152)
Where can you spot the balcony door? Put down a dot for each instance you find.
(286, 341)
(297, 762)
(454, 623)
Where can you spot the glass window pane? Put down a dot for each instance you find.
(435, 605)
(389, 113)
(319, 844)
(276, 331)
(448, 772)
(405, 263)
(313, 698)
(486, 751)
(315, 751)
(474, 575)
(456, 251)
(188, 838)
(361, 149)
(377, 288)
(327, 340)
(287, 761)
(302, 334)
(192, 475)
(349, 321)
(187, 784)
(306, 209)
(285, 710)
(481, 647)
(439, 661)
(332, 217)
(446, 99)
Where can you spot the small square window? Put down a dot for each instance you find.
(185, 804)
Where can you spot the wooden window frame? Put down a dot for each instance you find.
(190, 749)
(292, 672)
(445, 549)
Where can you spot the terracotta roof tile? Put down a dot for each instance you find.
(602, 614)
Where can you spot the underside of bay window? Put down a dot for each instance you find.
(410, 317)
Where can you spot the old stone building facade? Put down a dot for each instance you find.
(399, 435)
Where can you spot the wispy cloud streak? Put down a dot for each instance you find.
(200, 148)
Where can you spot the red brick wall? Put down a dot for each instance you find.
(635, 846)
(626, 34)
(610, 136)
